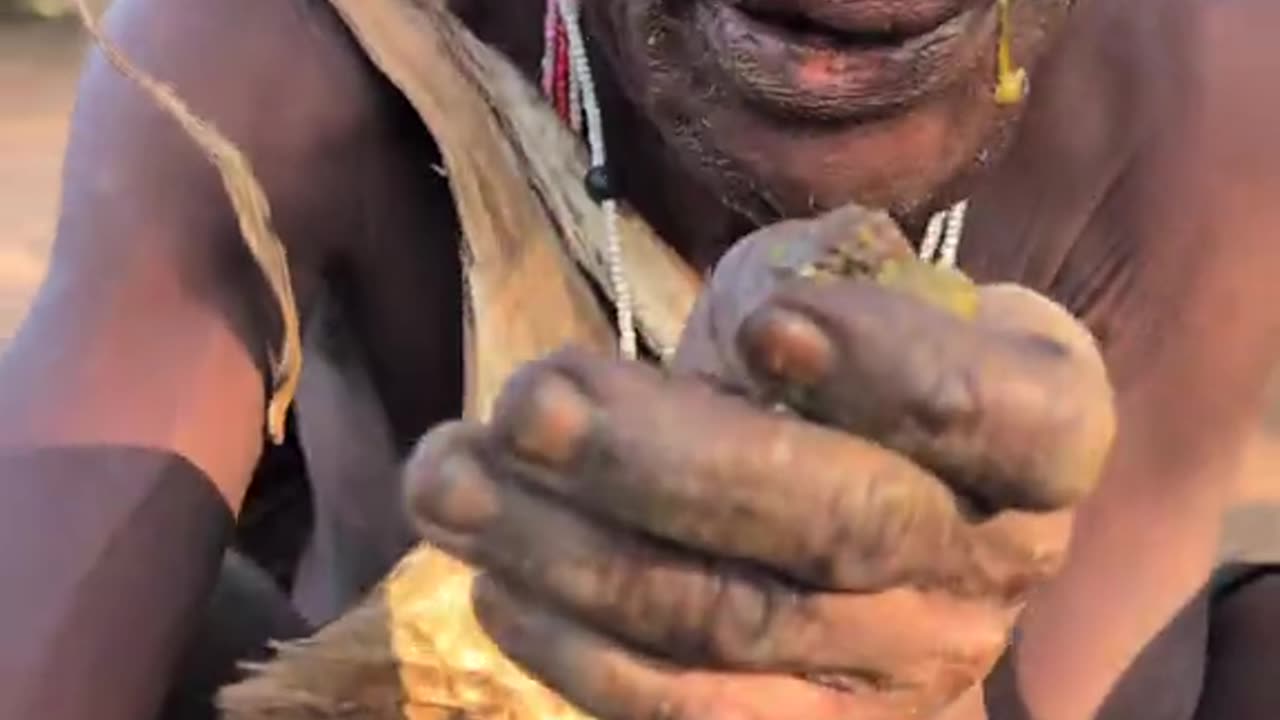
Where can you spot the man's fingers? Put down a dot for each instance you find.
(615, 683)
(1009, 400)
(1012, 417)
(681, 462)
(715, 474)
(690, 608)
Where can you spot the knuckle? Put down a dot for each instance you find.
(950, 401)
(746, 618)
(615, 583)
(873, 528)
(1028, 429)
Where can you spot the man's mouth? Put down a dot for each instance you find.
(850, 22)
(839, 59)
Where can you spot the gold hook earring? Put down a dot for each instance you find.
(1011, 81)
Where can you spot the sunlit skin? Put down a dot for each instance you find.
(1135, 185)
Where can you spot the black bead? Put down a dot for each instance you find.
(599, 185)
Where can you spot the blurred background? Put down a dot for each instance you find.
(41, 48)
(40, 59)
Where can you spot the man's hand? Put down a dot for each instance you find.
(659, 547)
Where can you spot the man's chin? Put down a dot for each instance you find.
(906, 163)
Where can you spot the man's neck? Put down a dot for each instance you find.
(1072, 84)
(684, 211)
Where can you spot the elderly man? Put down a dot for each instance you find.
(1130, 180)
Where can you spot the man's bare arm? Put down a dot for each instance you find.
(1126, 622)
(134, 394)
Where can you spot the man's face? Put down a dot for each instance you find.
(792, 106)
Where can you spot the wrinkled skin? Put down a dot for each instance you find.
(1136, 188)
(788, 533)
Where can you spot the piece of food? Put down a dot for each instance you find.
(878, 250)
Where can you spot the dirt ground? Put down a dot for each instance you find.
(39, 63)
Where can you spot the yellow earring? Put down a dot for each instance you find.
(1011, 82)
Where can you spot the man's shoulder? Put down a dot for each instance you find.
(1179, 59)
(1211, 168)
(281, 80)
(1231, 113)
(1200, 85)
(1238, 58)
(264, 65)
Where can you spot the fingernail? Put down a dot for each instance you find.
(556, 418)
(463, 499)
(786, 346)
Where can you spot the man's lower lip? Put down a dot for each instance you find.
(824, 79)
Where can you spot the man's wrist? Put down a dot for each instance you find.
(113, 552)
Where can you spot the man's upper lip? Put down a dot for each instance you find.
(884, 18)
